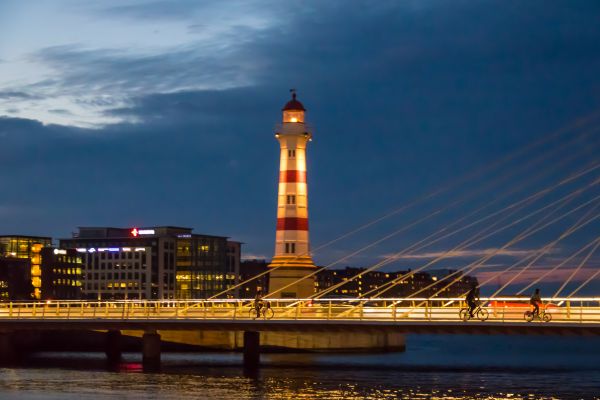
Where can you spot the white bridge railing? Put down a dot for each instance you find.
(500, 309)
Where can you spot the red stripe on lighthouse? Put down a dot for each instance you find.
(292, 175)
(292, 224)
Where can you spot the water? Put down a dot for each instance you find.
(444, 367)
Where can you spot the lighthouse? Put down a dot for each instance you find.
(292, 260)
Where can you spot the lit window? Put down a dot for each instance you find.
(291, 153)
(291, 199)
(290, 248)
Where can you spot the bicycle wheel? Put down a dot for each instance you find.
(528, 316)
(252, 313)
(546, 317)
(268, 313)
(463, 314)
(482, 314)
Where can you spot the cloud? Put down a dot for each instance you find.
(16, 95)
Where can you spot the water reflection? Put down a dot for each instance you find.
(437, 367)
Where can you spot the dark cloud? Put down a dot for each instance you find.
(18, 95)
(403, 96)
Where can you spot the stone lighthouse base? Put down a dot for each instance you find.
(281, 277)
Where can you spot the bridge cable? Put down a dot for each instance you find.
(528, 232)
(556, 267)
(538, 194)
(582, 121)
(576, 226)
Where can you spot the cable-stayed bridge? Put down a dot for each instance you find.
(528, 220)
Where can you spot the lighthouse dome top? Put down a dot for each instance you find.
(293, 104)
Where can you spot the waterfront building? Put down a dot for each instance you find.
(250, 269)
(27, 247)
(61, 274)
(163, 262)
(429, 283)
(15, 279)
(292, 259)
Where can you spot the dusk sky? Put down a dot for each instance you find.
(143, 113)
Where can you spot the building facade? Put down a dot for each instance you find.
(62, 274)
(15, 279)
(292, 260)
(374, 282)
(256, 269)
(164, 262)
(27, 247)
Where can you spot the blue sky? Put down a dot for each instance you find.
(133, 113)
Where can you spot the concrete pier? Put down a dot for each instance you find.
(251, 351)
(113, 347)
(151, 351)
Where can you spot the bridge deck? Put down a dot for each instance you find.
(505, 315)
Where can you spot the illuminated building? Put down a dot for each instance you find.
(15, 279)
(371, 281)
(248, 270)
(292, 259)
(163, 262)
(61, 274)
(29, 247)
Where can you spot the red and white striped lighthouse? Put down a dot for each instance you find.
(292, 258)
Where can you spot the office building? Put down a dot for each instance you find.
(15, 279)
(163, 262)
(61, 274)
(27, 247)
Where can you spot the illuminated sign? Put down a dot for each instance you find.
(135, 232)
(184, 235)
(58, 251)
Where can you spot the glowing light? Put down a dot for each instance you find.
(134, 232)
(146, 231)
(58, 251)
(294, 119)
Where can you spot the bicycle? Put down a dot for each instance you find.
(480, 313)
(265, 311)
(542, 315)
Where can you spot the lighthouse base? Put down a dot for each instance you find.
(286, 274)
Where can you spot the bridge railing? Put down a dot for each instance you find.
(500, 309)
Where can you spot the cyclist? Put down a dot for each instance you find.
(472, 299)
(258, 303)
(535, 301)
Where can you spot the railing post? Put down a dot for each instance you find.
(298, 305)
(33, 310)
(329, 310)
(361, 311)
(394, 310)
(568, 309)
(10, 309)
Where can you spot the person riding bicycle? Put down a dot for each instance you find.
(472, 299)
(258, 303)
(535, 301)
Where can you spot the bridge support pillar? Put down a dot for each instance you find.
(251, 351)
(151, 351)
(113, 347)
(8, 353)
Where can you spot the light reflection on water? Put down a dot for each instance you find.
(433, 367)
